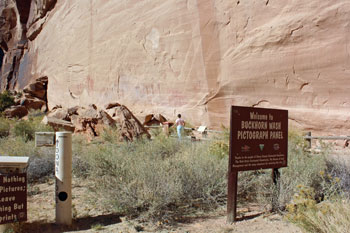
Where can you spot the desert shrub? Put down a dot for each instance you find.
(4, 127)
(339, 168)
(6, 100)
(220, 144)
(329, 216)
(162, 176)
(41, 160)
(24, 129)
(16, 146)
(111, 134)
(41, 167)
(219, 148)
(27, 128)
(35, 118)
(157, 177)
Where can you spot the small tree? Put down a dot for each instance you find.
(6, 100)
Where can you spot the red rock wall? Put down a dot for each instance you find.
(197, 57)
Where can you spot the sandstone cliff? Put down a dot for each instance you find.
(196, 57)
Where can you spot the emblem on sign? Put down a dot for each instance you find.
(276, 146)
(245, 148)
(261, 147)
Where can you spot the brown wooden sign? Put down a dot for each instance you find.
(13, 198)
(258, 140)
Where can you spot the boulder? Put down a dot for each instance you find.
(106, 119)
(33, 103)
(58, 124)
(88, 113)
(154, 119)
(59, 113)
(86, 126)
(38, 88)
(73, 110)
(130, 126)
(17, 111)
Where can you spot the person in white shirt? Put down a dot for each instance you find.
(180, 123)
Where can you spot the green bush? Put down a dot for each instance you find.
(24, 129)
(6, 100)
(27, 128)
(4, 127)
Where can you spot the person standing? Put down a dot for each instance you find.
(180, 124)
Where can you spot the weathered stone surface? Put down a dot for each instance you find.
(154, 119)
(32, 103)
(59, 113)
(192, 57)
(130, 126)
(16, 111)
(73, 110)
(106, 118)
(38, 88)
(88, 113)
(58, 124)
(112, 105)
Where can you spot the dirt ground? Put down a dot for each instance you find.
(88, 217)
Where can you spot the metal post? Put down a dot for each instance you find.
(275, 178)
(63, 172)
(232, 196)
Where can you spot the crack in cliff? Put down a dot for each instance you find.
(293, 119)
(206, 99)
(260, 102)
(302, 86)
(295, 29)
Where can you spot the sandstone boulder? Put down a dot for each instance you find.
(38, 88)
(58, 124)
(59, 113)
(73, 110)
(88, 113)
(130, 126)
(154, 119)
(17, 111)
(106, 119)
(33, 103)
(90, 122)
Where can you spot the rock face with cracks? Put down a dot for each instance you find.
(186, 56)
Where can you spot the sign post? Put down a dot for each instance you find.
(63, 172)
(13, 190)
(258, 140)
